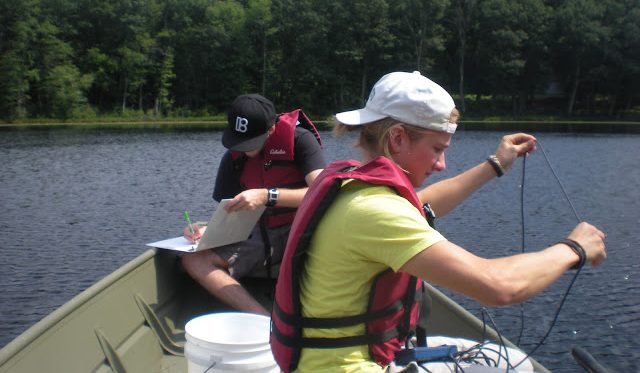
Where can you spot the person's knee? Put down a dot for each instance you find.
(189, 263)
(200, 264)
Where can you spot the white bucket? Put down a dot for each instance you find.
(229, 342)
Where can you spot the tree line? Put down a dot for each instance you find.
(80, 58)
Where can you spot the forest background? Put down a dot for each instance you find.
(158, 59)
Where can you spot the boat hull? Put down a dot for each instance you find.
(133, 321)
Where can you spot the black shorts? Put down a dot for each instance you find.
(248, 256)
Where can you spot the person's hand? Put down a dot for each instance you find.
(514, 146)
(592, 241)
(249, 200)
(194, 237)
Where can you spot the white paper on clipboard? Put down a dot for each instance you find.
(223, 228)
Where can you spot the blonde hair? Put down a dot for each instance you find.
(374, 136)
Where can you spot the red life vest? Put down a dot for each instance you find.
(275, 166)
(394, 298)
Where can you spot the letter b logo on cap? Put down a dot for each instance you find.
(241, 124)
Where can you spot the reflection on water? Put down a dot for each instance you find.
(78, 204)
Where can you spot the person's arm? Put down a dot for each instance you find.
(505, 280)
(447, 194)
(227, 184)
(309, 158)
(253, 198)
(293, 197)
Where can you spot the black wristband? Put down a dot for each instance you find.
(495, 163)
(578, 249)
(272, 197)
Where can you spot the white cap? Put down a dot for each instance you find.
(408, 98)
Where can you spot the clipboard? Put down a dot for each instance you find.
(223, 229)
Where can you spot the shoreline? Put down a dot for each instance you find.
(553, 126)
(474, 125)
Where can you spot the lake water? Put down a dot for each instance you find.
(77, 204)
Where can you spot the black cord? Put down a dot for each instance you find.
(555, 318)
(466, 355)
(523, 234)
(564, 192)
(211, 366)
(478, 353)
(502, 344)
(566, 294)
(575, 276)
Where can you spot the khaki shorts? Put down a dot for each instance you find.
(248, 256)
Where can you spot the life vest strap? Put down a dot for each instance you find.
(341, 321)
(340, 342)
(336, 322)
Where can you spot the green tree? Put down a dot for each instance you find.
(163, 101)
(211, 49)
(260, 28)
(461, 21)
(620, 72)
(194, 56)
(419, 27)
(137, 17)
(509, 45)
(362, 46)
(133, 64)
(65, 88)
(13, 87)
(301, 70)
(51, 56)
(580, 34)
(115, 43)
(18, 22)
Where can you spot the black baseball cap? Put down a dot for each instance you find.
(248, 120)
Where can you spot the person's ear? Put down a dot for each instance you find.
(271, 130)
(397, 138)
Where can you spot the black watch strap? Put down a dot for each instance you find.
(272, 197)
(495, 163)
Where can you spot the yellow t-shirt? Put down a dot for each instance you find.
(367, 230)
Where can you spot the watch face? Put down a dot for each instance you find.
(272, 197)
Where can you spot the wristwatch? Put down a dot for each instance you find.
(272, 197)
(495, 163)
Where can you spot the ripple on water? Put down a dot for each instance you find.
(97, 197)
